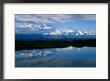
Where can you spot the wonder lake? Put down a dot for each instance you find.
(57, 57)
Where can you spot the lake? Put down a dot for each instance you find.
(56, 57)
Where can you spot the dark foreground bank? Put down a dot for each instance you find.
(19, 45)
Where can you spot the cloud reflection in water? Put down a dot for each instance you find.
(57, 57)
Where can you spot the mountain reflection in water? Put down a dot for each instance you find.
(57, 57)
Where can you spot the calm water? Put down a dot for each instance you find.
(57, 57)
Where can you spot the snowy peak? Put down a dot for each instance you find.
(44, 29)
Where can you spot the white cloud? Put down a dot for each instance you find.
(54, 18)
(40, 20)
(89, 17)
(43, 18)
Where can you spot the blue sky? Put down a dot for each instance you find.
(60, 21)
(83, 24)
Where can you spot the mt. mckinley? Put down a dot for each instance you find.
(31, 32)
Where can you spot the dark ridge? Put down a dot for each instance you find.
(20, 45)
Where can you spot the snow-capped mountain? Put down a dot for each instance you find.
(43, 32)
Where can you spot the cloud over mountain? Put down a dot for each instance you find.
(54, 18)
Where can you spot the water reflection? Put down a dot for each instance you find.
(57, 57)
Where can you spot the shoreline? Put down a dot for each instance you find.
(19, 45)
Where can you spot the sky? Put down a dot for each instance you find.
(60, 21)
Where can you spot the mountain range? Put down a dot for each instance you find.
(44, 32)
